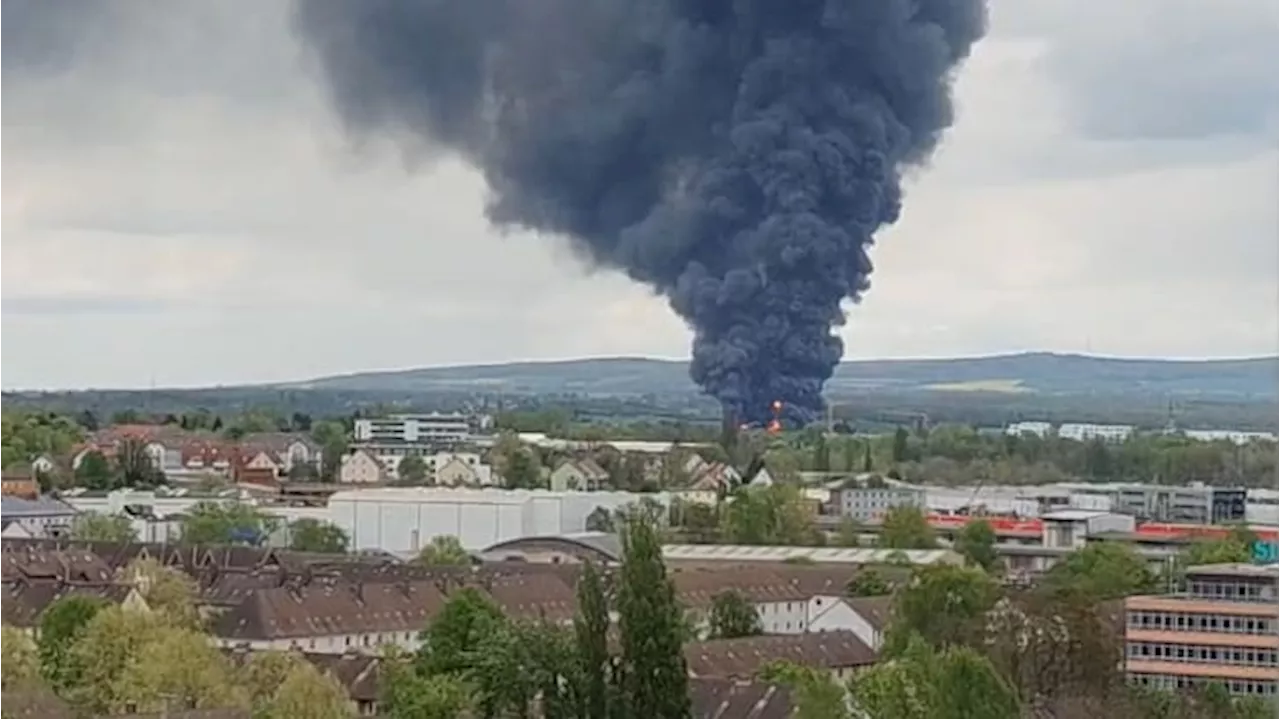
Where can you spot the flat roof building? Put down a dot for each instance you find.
(1222, 628)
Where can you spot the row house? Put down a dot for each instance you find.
(24, 600)
(578, 475)
(445, 469)
(259, 457)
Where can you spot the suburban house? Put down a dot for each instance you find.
(582, 475)
(707, 476)
(453, 470)
(361, 467)
(257, 466)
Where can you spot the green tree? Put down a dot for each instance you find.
(235, 523)
(600, 520)
(977, 543)
(306, 693)
(101, 654)
(849, 533)
(924, 683)
(408, 695)
(61, 625)
(732, 616)
(814, 693)
(20, 665)
(766, 516)
(95, 472)
(1102, 570)
(943, 605)
(412, 470)
(95, 527)
(134, 465)
(177, 668)
(168, 592)
(591, 628)
(450, 642)
(1052, 646)
(906, 527)
(332, 438)
(868, 582)
(444, 550)
(901, 450)
(654, 679)
(521, 470)
(314, 535)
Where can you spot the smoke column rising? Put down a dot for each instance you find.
(735, 155)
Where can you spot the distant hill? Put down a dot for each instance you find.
(1038, 372)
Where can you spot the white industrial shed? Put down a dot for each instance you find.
(741, 553)
(406, 519)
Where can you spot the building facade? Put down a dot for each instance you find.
(868, 502)
(416, 429)
(1190, 505)
(1221, 629)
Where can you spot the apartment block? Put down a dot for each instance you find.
(417, 429)
(1222, 628)
(869, 501)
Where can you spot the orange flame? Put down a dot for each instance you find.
(775, 427)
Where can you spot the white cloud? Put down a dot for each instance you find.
(184, 207)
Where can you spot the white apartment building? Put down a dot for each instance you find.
(417, 429)
(1104, 432)
(1039, 429)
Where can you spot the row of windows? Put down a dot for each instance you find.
(1235, 686)
(1230, 590)
(1187, 622)
(1202, 654)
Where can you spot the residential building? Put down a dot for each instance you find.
(715, 477)
(840, 653)
(361, 467)
(40, 517)
(1087, 432)
(581, 475)
(19, 484)
(1190, 505)
(1222, 628)
(416, 429)
(463, 469)
(869, 499)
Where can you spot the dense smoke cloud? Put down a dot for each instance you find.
(735, 155)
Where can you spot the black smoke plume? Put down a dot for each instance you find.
(735, 155)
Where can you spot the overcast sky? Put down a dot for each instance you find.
(180, 207)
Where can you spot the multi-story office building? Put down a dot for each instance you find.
(1221, 629)
(868, 501)
(1189, 505)
(417, 429)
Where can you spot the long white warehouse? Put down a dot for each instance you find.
(404, 519)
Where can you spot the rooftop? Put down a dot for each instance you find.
(39, 507)
(1251, 571)
(820, 555)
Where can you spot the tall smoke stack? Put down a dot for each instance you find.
(737, 156)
